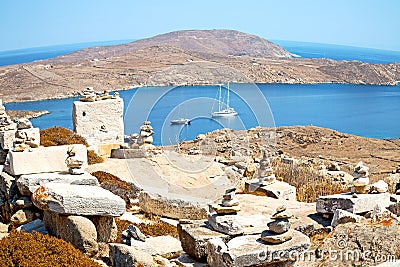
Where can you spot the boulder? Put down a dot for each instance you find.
(125, 256)
(380, 186)
(36, 225)
(28, 183)
(359, 204)
(194, 238)
(279, 226)
(78, 199)
(342, 216)
(172, 206)
(44, 159)
(78, 230)
(226, 224)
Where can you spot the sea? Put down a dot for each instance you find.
(364, 110)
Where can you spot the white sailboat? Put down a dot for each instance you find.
(180, 121)
(226, 112)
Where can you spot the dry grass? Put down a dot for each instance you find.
(153, 228)
(58, 136)
(24, 249)
(308, 184)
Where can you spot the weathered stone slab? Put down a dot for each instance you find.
(28, 183)
(249, 250)
(165, 246)
(78, 230)
(361, 203)
(278, 189)
(128, 153)
(176, 207)
(44, 159)
(194, 238)
(78, 199)
(125, 256)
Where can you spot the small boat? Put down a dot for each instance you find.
(228, 111)
(180, 121)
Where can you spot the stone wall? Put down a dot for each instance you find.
(100, 122)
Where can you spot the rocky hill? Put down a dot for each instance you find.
(181, 58)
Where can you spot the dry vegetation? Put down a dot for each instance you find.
(152, 228)
(58, 136)
(308, 184)
(24, 249)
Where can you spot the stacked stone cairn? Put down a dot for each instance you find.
(145, 136)
(361, 182)
(279, 229)
(223, 216)
(74, 163)
(266, 175)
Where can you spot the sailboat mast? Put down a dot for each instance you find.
(227, 101)
(219, 98)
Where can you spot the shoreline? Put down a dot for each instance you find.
(191, 85)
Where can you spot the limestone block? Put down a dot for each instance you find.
(106, 228)
(226, 224)
(361, 203)
(44, 159)
(165, 246)
(278, 189)
(36, 225)
(342, 216)
(100, 118)
(7, 139)
(194, 238)
(248, 251)
(125, 256)
(28, 183)
(78, 230)
(172, 206)
(78, 199)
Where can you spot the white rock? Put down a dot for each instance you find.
(380, 186)
(78, 199)
(24, 123)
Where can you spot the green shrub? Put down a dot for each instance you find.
(21, 249)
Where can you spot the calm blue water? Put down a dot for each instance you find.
(340, 52)
(39, 53)
(370, 111)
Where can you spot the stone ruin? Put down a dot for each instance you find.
(19, 135)
(99, 119)
(361, 182)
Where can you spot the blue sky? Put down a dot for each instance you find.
(35, 23)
